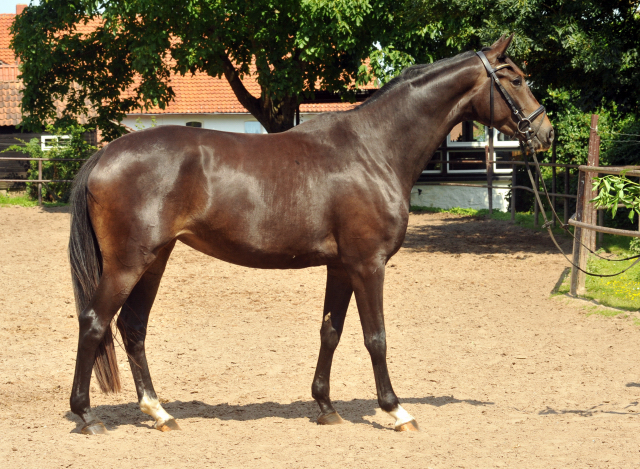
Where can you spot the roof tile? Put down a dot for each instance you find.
(10, 96)
(194, 94)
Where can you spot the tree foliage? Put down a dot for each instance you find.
(582, 55)
(613, 190)
(590, 48)
(86, 53)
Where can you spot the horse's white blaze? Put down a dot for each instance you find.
(153, 408)
(401, 416)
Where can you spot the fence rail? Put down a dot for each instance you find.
(38, 181)
(585, 222)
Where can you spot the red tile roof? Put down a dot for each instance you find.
(203, 94)
(194, 94)
(6, 54)
(9, 72)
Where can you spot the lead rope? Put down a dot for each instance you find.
(547, 224)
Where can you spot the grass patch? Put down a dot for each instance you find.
(467, 212)
(21, 200)
(622, 291)
(599, 311)
(25, 201)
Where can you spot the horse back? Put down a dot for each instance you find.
(281, 200)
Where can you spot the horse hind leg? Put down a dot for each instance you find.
(94, 321)
(337, 296)
(132, 323)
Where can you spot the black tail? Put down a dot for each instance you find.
(86, 270)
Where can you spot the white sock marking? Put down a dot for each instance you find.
(153, 408)
(401, 416)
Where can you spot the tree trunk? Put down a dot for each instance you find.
(275, 116)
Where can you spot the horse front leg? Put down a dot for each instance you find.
(336, 302)
(368, 283)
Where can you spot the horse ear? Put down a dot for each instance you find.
(501, 45)
(495, 44)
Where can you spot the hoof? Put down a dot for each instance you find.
(411, 426)
(330, 419)
(168, 426)
(97, 428)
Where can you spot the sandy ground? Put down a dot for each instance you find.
(496, 372)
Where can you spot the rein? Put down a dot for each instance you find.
(525, 130)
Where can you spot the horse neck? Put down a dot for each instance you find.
(412, 120)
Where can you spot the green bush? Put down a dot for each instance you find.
(76, 147)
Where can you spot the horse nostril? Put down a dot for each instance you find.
(551, 135)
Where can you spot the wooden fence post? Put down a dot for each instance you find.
(585, 213)
(577, 240)
(39, 184)
(489, 165)
(553, 181)
(566, 192)
(590, 213)
(513, 193)
(536, 208)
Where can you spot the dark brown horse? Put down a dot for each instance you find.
(333, 191)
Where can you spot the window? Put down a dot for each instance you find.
(194, 124)
(502, 140)
(464, 153)
(252, 127)
(47, 142)
(456, 158)
(506, 155)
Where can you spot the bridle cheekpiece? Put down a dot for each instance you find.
(524, 124)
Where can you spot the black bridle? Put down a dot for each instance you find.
(524, 124)
(525, 130)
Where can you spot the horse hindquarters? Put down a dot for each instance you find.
(102, 283)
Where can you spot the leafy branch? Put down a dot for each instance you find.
(616, 190)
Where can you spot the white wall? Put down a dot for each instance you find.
(463, 197)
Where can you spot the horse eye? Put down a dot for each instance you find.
(517, 82)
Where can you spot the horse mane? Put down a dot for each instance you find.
(414, 71)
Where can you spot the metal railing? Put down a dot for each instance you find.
(565, 195)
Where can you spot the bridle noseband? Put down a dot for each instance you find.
(524, 126)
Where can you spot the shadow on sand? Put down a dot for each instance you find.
(479, 235)
(352, 411)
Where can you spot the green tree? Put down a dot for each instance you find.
(83, 55)
(589, 48)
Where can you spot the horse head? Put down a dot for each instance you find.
(503, 98)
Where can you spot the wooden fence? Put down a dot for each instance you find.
(587, 217)
(38, 181)
(587, 220)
